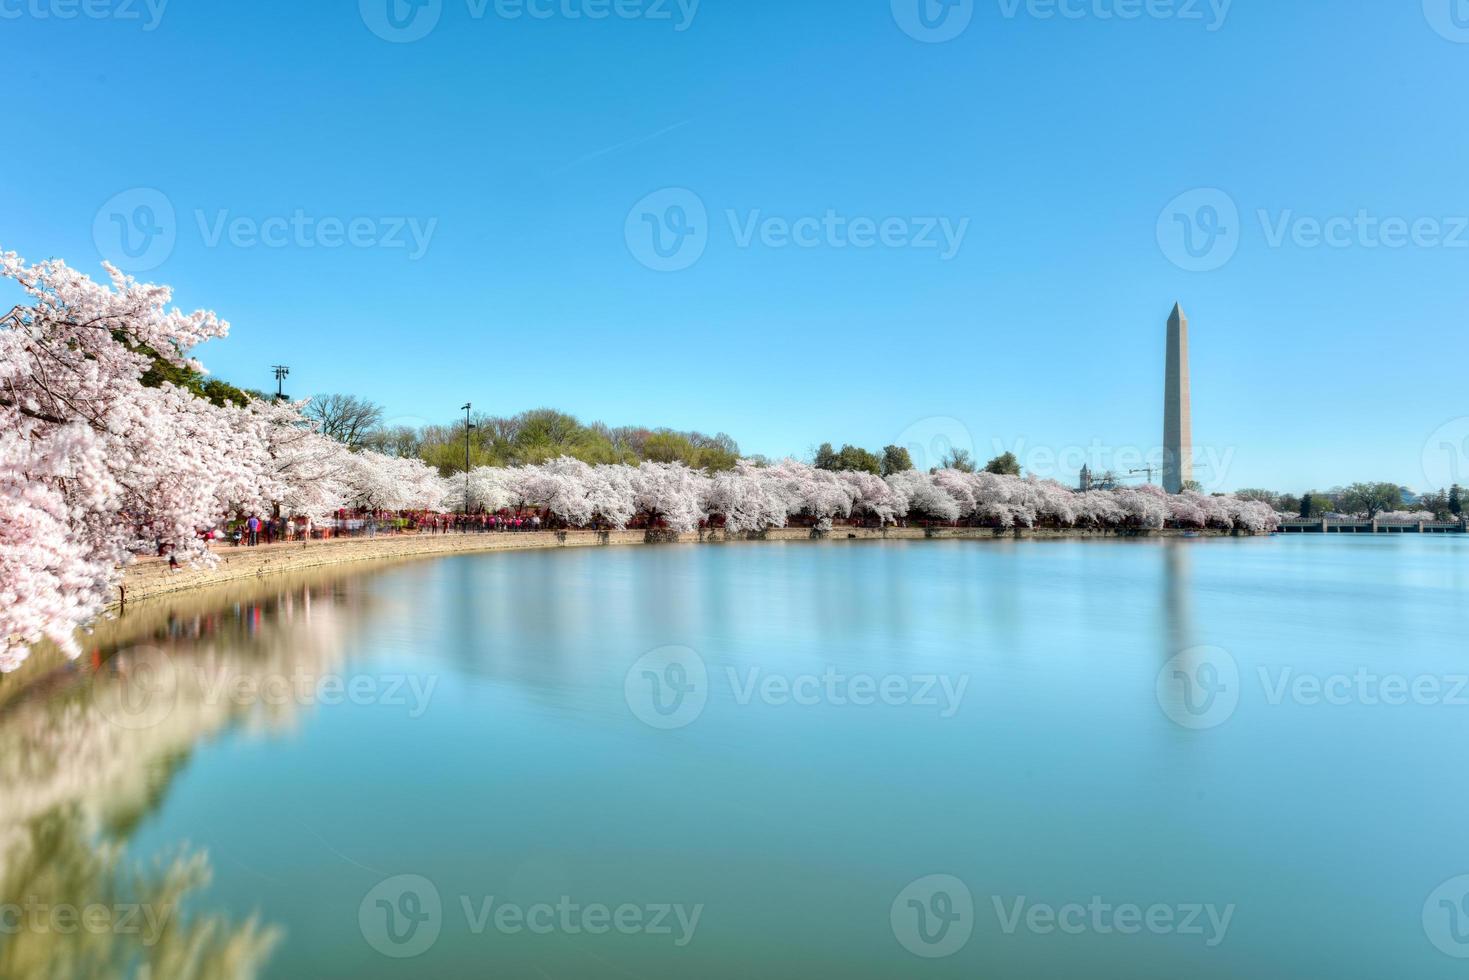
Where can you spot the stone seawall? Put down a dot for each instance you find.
(152, 577)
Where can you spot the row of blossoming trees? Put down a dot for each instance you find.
(752, 498)
(96, 466)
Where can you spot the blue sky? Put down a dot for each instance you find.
(1067, 156)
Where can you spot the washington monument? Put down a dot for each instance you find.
(1178, 420)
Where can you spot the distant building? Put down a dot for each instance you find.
(1086, 478)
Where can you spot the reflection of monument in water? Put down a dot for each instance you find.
(1178, 437)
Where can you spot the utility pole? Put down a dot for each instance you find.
(281, 371)
(468, 428)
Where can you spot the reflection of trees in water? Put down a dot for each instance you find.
(90, 751)
(138, 926)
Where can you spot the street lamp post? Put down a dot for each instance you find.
(281, 371)
(468, 427)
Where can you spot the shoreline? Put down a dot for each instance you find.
(149, 578)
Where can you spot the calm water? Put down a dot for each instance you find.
(1106, 759)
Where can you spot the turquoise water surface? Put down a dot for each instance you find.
(1139, 759)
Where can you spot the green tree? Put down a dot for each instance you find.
(859, 460)
(826, 457)
(1456, 500)
(1436, 504)
(1006, 465)
(957, 459)
(163, 371)
(1371, 499)
(668, 447)
(1315, 505)
(895, 459)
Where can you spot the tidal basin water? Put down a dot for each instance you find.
(1139, 759)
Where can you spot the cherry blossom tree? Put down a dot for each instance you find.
(109, 464)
